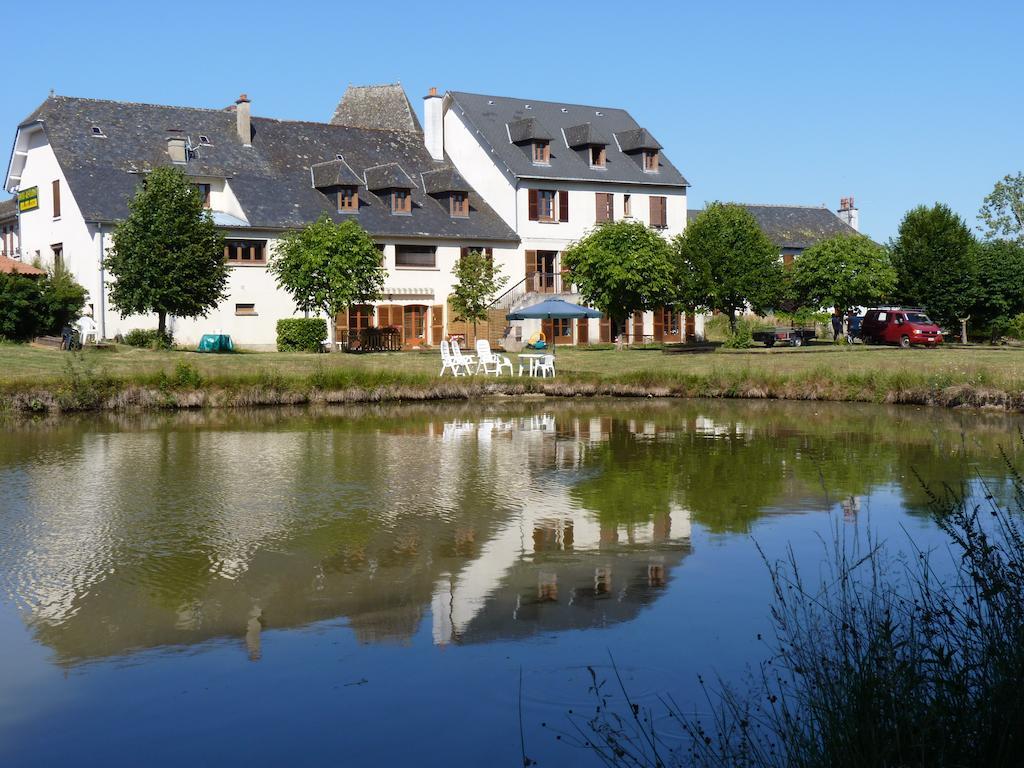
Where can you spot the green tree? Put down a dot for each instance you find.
(934, 256)
(843, 271)
(999, 294)
(61, 301)
(478, 280)
(726, 263)
(1002, 211)
(621, 267)
(167, 256)
(327, 267)
(20, 303)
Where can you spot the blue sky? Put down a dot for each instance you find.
(897, 103)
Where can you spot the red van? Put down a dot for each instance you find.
(896, 325)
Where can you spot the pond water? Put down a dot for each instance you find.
(372, 586)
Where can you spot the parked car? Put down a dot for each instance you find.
(795, 337)
(899, 325)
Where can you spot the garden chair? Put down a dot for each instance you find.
(462, 360)
(448, 360)
(546, 366)
(490, 362)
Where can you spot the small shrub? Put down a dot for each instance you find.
(149, 338)
(741, 338)
(1015, 328)
(83, 387)
(186, 376)
(301, 334)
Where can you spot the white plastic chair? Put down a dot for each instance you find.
(490, 362)
(546, 366)
(448, 360)
(462, 360)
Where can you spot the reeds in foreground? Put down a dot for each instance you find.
(881, 661)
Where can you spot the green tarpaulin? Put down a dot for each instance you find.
(216, 342)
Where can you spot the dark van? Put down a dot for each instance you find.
(895, 325)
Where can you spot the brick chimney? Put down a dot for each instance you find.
(243, 118)
(848, 212)
(433, 124)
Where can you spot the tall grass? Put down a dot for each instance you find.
(880, 661)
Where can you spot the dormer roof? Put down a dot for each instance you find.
(585, 135)
(444, 180)
(334, 173)
(527, 129)
(636, 139)
(388, 176)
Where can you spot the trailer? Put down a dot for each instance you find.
(794, 337)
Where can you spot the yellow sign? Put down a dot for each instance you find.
(28, 199)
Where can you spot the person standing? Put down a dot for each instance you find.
(837, 324)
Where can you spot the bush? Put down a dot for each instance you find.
(38, 306)
(61, 302)
(741, 338)
(1015, 328)
(149, 338)
(301, 334)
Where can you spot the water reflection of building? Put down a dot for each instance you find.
(175, 536)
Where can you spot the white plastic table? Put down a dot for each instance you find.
(532, 358)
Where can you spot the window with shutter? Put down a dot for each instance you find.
(605, 209)
(56, 198)
(658, 215)
(563, 205)
(531, 195)
(531, 270)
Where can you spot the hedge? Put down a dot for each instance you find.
(301, 334)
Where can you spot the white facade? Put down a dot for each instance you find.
(508, 194)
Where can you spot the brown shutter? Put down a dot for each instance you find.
(638, 327)
(341, 326)
(56, 198)
(658, 217)
(582, 331)
(659, 324)
(531, 269)
(531, 195)
(601, 207)
(563, 205)
(436, 324)
(654, 211)
(605, 329)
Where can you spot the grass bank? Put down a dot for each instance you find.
(37, 380)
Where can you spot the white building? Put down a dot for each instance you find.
(79, 161)
(553, 171)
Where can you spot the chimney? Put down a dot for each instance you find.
(433, 124)
(177, 149)
(243, 119)
(849, 213)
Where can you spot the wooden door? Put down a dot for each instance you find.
(582, 331)
(436, 324)
(531, 271)
(659, 324)
(390, 316)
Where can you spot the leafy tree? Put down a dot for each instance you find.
(61, 301)
(726, 263)
(934, 256)
(999, 294)
(20, 303)
(478, 281)
(622, 267)
(843, 271)
(167, 256)
(1002, 212)
(326, 267)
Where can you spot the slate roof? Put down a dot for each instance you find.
(388, 176)
(528, 129)
(444, 180)
(491, 116)
(380, 107)
(585, 135)
(638, 138)
(334, 173)
(271, 179)
(793, 226)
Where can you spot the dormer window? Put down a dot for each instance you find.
(541, 152)
(598, 155)
(401, 201)
(348, 200)
(458, 203)
(651, 160)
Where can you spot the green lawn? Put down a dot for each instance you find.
(22, 365)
